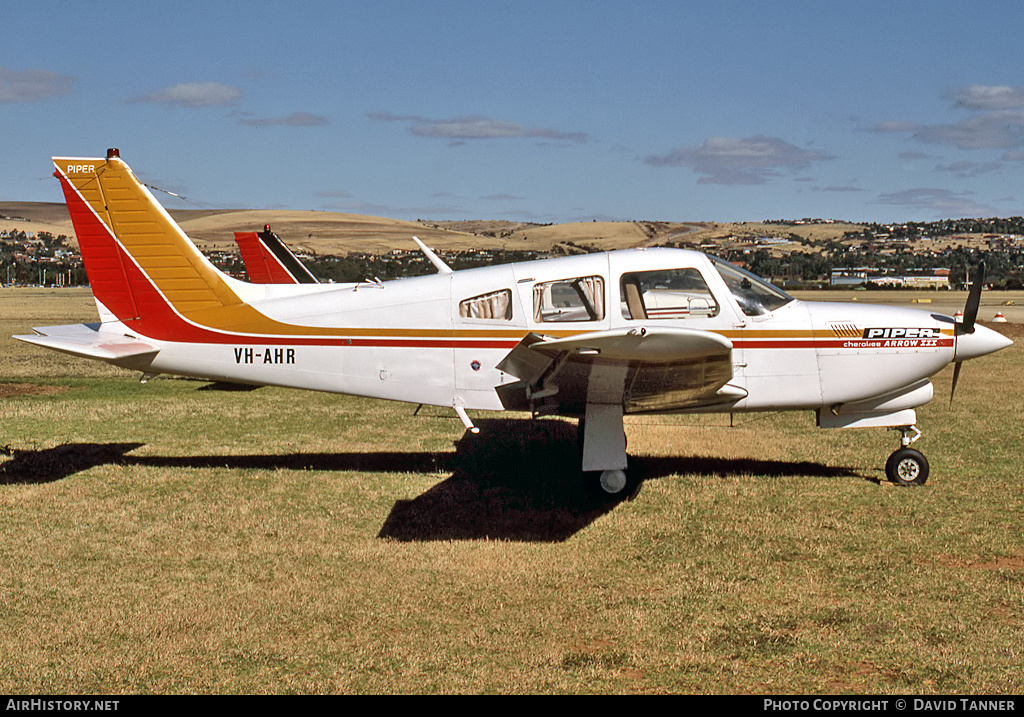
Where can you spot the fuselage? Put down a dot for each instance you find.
(438, 339)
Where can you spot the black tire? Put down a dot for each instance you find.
(907, 467)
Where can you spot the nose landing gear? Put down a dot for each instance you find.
(907, 466)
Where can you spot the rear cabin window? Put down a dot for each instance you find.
(579, 299)
(667, 294)
(495, 305)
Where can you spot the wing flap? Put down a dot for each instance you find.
(523, 363)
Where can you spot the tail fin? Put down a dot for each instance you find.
(144, 269)
(110, 207)
(269, 261)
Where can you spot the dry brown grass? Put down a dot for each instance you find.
(170, 538)
(812, 232)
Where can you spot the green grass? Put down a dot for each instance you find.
(172, 538)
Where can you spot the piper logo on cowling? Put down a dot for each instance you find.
(905, 333)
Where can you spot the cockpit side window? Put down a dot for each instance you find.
(667, 294)
(579, 299)
(754, 295)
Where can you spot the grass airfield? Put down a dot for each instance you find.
(182, 537)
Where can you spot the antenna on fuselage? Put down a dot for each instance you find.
(438, 263)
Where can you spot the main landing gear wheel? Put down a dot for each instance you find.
(613, 484)
(907, 467)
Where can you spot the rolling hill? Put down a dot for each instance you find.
(333, 233)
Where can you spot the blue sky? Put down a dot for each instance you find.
(534, 111)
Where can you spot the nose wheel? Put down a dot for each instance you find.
(907, 466)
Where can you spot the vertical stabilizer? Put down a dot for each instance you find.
(144, 270)
(269, 261)
(114, 216)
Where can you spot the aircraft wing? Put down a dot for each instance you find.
(647, 369)
(88, 341)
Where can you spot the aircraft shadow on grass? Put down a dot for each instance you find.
(515, 480)
(49, 465)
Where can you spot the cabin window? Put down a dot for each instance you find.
(667, 294)
(580, 299)
(495, 305)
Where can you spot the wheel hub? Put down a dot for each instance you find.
(908, 469)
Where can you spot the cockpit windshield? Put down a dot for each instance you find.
(754, 295)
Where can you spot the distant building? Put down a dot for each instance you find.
(924, 279)
(849, 277)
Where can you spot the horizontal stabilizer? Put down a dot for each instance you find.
(87, 341)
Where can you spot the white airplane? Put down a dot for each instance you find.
(595, 336)
(269, 261)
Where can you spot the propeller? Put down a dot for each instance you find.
(973, 302)
(970, 317)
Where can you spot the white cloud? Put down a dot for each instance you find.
(32, 85)
(738, 160)
(295, 119)
(966, 168)
(945, 203)
(194, 94)
(475, 127)
(989, 130)
(989, 97)
(998, 125)
(894, 126)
